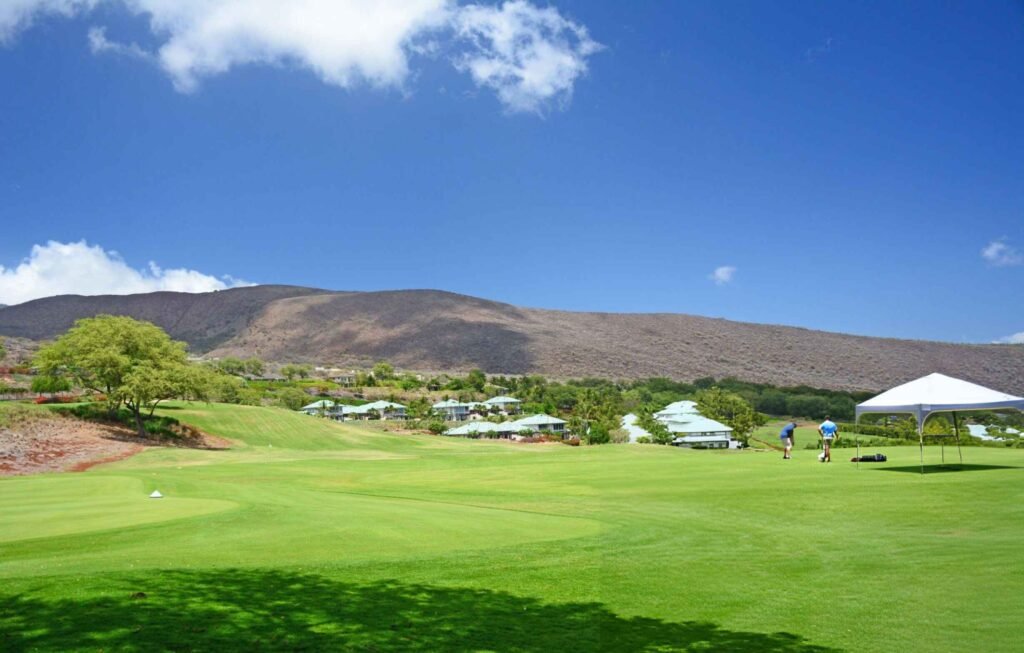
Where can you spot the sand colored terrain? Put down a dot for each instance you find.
(39, 443)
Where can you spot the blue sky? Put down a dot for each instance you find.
(853, 167)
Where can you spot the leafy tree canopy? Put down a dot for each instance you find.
(731, 409)
(133, 363)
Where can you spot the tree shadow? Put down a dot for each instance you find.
(256, 610)
(951, 467)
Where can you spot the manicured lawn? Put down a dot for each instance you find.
(317, 536)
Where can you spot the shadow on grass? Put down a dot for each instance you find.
(952, 467)
(256, 610)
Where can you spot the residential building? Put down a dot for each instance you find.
(505, 405)
(691, 429)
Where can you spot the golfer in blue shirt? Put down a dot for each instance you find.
(829, 432)
(786, 435)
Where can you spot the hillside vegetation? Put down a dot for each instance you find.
(432, 330)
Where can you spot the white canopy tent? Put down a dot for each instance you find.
(938, 393)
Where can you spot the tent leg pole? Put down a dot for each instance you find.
(921, 447)
(956, 431)
(858, 452)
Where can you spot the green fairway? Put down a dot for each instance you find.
(311, 535)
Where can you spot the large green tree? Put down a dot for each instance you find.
(134, 364)
(731, 409)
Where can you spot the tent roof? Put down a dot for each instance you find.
(938, 393)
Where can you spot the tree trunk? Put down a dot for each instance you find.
(138, 421)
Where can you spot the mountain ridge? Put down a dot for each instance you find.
(441, 331)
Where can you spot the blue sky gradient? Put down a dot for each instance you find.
(851, 161)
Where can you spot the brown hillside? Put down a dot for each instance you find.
(436, 330)
(426, 329)
(204, 320)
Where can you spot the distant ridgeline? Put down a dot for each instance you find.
(436, 330)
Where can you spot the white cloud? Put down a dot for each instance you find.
(82, 269)
(723, 274)
(1015, 339)
(99, 43)
(999, 254)
(529, 56)
(17, 15)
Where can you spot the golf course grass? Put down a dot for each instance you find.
(311, 535)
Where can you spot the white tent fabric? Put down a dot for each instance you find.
(938, 393)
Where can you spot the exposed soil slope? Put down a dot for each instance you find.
(56, 444)
(34, 443)
(433, 330)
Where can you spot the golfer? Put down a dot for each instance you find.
(786, 435)
(828, 432)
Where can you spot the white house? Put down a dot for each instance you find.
(451, 410)
(322, 407)
(677, 409)
(539, 423)
(505, 405)
(478, 429)
(385, 410)
(690, 428)
(511, 429)
(981, 432)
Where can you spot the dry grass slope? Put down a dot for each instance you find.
(434, 330)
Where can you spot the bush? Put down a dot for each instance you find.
(598, 434)
(437, 428)
(291, 398)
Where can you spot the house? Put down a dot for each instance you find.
(322, 407)
(505, 405)
(452, 411)
(699, 432)
(677, 409)
(538, 424)
(689, 428)
(478, 429)
(981, 432)
(703, 441)
(385, 410)
(634, 431)
(511, 429)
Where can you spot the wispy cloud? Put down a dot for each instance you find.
(723, 275)
(82, 269)
(98, 44)
(529, 56)
(820, 50)
(999, 253)
(1015, 339)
